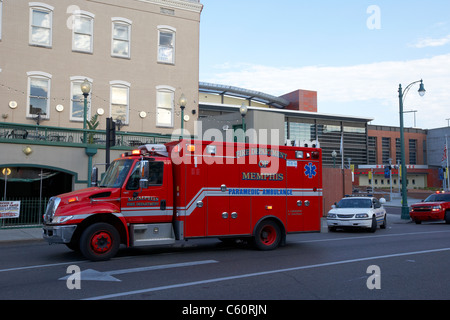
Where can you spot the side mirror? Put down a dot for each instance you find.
(382, 200)
(94, 177)
(145, 173)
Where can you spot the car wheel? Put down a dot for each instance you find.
(267, 235)
(100, 242)
(373, 228)
(383, 226)
(447, 217)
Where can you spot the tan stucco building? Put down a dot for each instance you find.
(139, 56)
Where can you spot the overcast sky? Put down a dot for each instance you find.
(354, 53)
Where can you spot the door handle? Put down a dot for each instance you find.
(225, 215)
(234, 215)
(163, 204)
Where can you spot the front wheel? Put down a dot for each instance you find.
(373, 228)
(100, 242)
(267, 235)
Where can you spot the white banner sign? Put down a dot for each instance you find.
(9, 209)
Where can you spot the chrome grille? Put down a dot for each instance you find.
(51, 209)
(422, 209)
(345, 216)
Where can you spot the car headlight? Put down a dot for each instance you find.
(53, 204)
(362, 215)
(436, 208)
(61, 219)
(331, 215)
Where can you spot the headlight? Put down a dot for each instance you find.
(53, 204)
(362, 215)
(331, 215)
(436, 208)
(62, 219)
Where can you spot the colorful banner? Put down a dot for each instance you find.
(9, 209)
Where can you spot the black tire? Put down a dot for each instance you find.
(384, 225)
(267, 235)
(373, 228)
(447, 217)
(100, 242)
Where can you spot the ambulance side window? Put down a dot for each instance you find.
(155, 177)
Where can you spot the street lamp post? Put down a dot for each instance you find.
(243, 110)
(334, 155)
(401, 94)
(183, 103)
(85, 89)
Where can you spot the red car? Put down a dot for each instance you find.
(435, 207)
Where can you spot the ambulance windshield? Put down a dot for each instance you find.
(116, 173)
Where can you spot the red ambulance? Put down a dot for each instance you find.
(187, 189)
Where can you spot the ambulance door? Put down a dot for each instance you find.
(147, 205)
(304, 177)
(221, 177)
(295, 201)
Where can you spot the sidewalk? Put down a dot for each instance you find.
(20, 234)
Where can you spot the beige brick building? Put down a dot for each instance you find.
(139, 55)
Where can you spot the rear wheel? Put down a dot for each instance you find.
(100, 242)
(267, 235)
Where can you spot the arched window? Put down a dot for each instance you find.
(120, 101)
(83, 31)
(166, 44)
(121, 38)
(38, 98)
(164, 106)
(41, 21)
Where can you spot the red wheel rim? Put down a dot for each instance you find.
(101, 242)
(268, 235)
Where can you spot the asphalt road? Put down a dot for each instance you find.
(411, 262)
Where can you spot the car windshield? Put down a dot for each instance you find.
(354, 203)
(438, 197)
(116, 173)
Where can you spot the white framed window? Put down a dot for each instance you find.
(165, 101)
(38, 97)
(120, 101)
(121, 38)
(83, 32)
(41, 22)
(166, 44)
(77, 99)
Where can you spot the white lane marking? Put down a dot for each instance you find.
(94, 275)
(256, 274)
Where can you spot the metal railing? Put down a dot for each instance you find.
(56, 136)
(31, 211)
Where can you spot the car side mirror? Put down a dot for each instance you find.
(145, 173)
(94, 177)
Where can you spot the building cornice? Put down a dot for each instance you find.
(190, 5)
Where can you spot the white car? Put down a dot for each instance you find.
(357, 212)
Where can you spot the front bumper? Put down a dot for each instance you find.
(58, 234)
(427, 216)
(353, 223)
